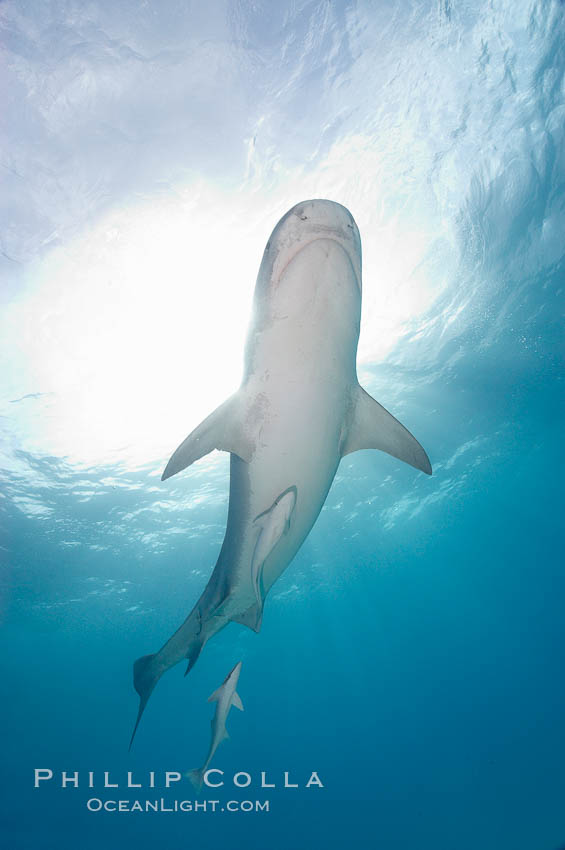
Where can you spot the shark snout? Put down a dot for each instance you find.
(327, 215)
(305, 223)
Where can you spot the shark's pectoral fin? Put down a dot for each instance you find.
(229, 428)
(216, 695)
(236, 700)
(373, 427)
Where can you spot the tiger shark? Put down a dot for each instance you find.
(298, 411)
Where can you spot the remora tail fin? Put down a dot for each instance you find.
(144, 680)
(373, 427)
(197, 778)
(226, 429)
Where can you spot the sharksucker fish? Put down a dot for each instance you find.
(298, 411)
(224, 697)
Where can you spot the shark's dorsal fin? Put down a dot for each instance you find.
(229, 428)
(236, 700)
(373, 427)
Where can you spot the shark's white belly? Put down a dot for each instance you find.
(300, 374)
(298, 446)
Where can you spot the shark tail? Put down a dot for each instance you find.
(145, 677)
(187, 642)
(197, 778)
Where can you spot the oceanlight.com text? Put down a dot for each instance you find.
(94, 804)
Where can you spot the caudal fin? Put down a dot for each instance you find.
(145, 677)
(186, 642)
(197, 778)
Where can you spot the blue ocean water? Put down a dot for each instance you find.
(412, 655)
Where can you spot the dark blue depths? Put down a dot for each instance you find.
(414, 664)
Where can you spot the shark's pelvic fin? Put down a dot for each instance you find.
(225, 429)
(252, 617)
(236, 700)
(373, 427)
